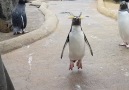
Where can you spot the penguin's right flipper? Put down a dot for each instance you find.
(88, 44)
(86, 40)
(67, 40)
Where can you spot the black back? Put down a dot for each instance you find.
(19, 18)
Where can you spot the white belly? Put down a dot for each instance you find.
(123, 23)
(76, 45)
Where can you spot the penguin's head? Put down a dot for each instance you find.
(123, 5)
(22, 1)
(76, 20)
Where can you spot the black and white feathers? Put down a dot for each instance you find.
(76, 24)
(123, 23)
(19, 19)
(76, 39)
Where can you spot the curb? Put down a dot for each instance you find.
(107, 12)
(46, 28)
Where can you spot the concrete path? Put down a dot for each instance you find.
(38, 66)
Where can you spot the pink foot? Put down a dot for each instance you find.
(71, 65)
(79, 64)
(127, 46)
(122, 44)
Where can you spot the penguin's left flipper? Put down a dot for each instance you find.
(67, 40)
(88, 44)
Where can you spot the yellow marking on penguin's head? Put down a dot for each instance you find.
(71, 17)
(81, 17)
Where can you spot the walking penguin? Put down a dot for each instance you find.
(123, 23)
(76, 39)
(19, 19)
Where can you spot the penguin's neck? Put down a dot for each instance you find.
(123, 10)
(76, 28)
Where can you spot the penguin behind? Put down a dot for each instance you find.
(76, 39)
(123, 23)
(19, 19)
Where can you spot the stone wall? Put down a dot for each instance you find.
(6, 7)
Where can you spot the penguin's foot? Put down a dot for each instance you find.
(122, 44)
(127, 46)
(23, 32)
(15, 33)
(18, 33)
(79, 64)
(71, 64)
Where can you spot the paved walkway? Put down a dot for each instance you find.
(38, 66)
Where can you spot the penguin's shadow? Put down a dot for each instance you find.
(76, 80)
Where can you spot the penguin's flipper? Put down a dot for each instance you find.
(88, 44)
(24, 20)
(67, 40)
(128, 10)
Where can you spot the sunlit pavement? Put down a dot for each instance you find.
(38, 66)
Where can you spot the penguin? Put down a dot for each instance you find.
(19, 18)
(123, 23)
(76, 39)
(125, 1)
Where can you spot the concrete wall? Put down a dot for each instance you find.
(6, 7)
